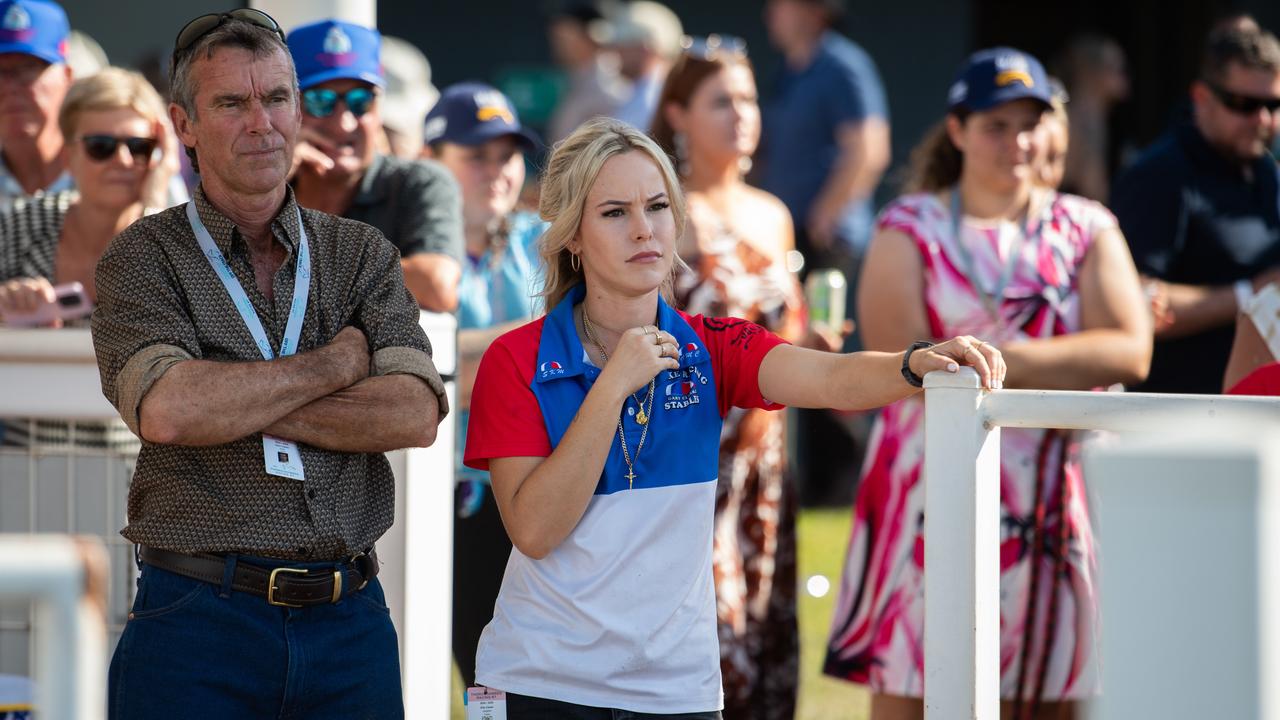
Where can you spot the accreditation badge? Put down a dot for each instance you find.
(282, 457)
(486, 704)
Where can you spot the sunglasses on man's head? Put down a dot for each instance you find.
(103, 147)
(205, 24)
(321, 102)
(712, 47)
(1244, 104)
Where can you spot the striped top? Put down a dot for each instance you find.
(29, 234)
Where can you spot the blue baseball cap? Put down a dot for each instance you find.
(472, 113)
(336, 50)
(34, 27)
(997, 76)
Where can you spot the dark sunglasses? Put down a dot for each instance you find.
(321, 102)
(712, 47)
(205, 24)
(103, 147)
(1243, 104)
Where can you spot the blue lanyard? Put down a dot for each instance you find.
(301, 287)
(992, 300)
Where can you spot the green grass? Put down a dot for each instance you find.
(823, 536)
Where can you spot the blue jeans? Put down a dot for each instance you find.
(523, 707)
(193, 651)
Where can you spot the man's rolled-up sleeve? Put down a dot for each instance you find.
(141, 326)
(388, 315)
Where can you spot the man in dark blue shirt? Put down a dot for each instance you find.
(826, 130)
(1201, 210)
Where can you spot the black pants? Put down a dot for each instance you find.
(480, 553)
(523, 707)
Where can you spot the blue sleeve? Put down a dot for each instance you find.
(856, 91)
(1148, 201)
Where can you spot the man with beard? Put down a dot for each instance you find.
(339, 169)
(1199, 210)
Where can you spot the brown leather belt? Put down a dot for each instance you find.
(282, 586)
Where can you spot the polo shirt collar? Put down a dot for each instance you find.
(223, 230)
(1206, 157)
(371, 191)
(560, 352)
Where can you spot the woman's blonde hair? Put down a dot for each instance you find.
(571, 172)
(111, 88)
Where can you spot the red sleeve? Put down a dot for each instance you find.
(505, 418)
(737, 347)
(1263, 381)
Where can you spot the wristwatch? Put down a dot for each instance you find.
(913, 379)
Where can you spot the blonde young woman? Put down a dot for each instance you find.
(599, 424)
(982, 247)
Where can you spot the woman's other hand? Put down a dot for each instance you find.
(641, 353)
(962, 350)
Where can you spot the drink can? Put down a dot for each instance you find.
(825, 291)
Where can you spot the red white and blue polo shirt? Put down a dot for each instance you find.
(622, 614)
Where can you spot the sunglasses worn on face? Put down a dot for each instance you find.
(205, 24)
(103, 147)
(321, 102)
(1244, 104)
(711, 47)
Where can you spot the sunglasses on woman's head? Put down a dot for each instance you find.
(205, 24)
(321, 102)
(712, 47)
(1243, 104)
(103, 147)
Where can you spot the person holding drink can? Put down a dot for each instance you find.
(981, 247)
(737, 243)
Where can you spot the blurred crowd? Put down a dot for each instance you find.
(1013, 224)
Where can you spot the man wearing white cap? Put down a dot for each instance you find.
(646, 35)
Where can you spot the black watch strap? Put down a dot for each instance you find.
(913, 379)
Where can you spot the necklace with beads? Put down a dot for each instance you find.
(642, 415)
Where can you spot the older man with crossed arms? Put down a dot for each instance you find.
(266, 355)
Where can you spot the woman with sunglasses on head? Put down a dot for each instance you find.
(736, 244)
(980, 246)
(118, 143)
(600, 424)
(474, 132)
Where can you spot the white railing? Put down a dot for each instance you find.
(53, 374)
(962, 512)
(65, 579)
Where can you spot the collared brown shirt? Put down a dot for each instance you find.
(160, 303)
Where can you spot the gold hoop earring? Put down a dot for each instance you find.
(575, 262)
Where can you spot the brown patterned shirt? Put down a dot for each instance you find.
(160, 303)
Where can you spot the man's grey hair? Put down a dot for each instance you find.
(233, 33)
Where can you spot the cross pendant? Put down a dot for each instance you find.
(631, 478)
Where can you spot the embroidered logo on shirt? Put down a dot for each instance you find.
(551, 368)
(680, 395)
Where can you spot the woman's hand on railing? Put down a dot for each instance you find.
(25, 297)
(963, 350)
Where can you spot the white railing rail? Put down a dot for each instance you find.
(962, 513)
(65, 578)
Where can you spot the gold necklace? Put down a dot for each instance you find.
(641, 415)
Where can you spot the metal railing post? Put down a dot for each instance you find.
(961, 558)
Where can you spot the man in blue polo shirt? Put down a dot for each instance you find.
(415, 203)
(826, 131)
(1200, 210)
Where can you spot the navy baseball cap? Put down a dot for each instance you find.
(34, 27)
(997, 76)
(473, 113)
(336, 50)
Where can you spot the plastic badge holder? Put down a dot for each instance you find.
(70, 302)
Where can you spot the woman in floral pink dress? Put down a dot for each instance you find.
(980, 249)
